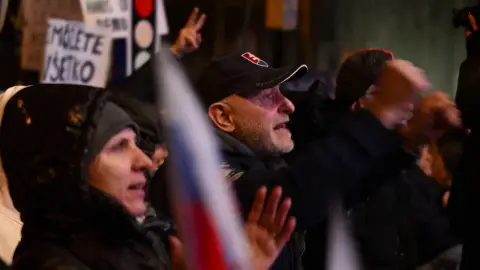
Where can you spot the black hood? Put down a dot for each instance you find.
(136, 95)
(48, 136)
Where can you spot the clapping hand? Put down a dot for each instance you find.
(268, 227)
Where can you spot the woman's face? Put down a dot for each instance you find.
(118, 170)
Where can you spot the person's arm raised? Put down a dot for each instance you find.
(339, 163)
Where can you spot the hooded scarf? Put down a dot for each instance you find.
(48, 136)
(10, 223)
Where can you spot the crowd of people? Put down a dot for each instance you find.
(85, 169)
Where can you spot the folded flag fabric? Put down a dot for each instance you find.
(210, 226)
(341, 249)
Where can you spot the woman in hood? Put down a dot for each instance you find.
(77, 177)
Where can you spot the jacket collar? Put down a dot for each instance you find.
(233, 146)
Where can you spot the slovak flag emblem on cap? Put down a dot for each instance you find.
(255, 60)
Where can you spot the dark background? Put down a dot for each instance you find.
(418, 30)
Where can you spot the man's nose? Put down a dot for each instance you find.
(287, 106)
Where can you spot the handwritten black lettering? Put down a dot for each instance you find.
(98, 6)
(98, 46)
(123, 5)
(68, 69)
(74, 37)
(114, 24)
(78, 40)
(89, 37)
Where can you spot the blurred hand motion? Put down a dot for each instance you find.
(399, 84)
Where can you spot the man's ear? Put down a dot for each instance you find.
(221, 116)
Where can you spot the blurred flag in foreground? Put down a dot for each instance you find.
(210, 227)
(341, 249)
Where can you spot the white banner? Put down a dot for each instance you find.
(114, 15)
(76, 53)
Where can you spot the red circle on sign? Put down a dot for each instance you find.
(144, 7)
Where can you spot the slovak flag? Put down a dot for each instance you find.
(210, 226)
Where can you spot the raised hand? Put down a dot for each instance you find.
(397, 88)
(473, 25)
(435, 113)
(189, 38)
(268, 227)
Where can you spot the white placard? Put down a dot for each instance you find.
(114, 15)
(76, 53)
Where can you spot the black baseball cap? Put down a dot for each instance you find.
(241, 73)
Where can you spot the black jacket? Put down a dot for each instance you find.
(465, 194)
(44, 139)
(317, 118)
(402, 224)
(432, 223)
(384, 227)
(336, 164)
(465, 201)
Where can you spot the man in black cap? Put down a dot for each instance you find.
(242, 97)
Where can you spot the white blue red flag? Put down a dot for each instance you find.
(210, 226)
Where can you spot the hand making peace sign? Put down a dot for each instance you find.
(189, 38)
(473, 24)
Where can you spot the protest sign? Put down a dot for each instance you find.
(129, 21)
(111, 14)
(116, 15)
(35, 15)
(76, 53)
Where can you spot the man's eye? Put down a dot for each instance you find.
(120, 146)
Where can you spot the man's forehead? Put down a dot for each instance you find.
(258, 92)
